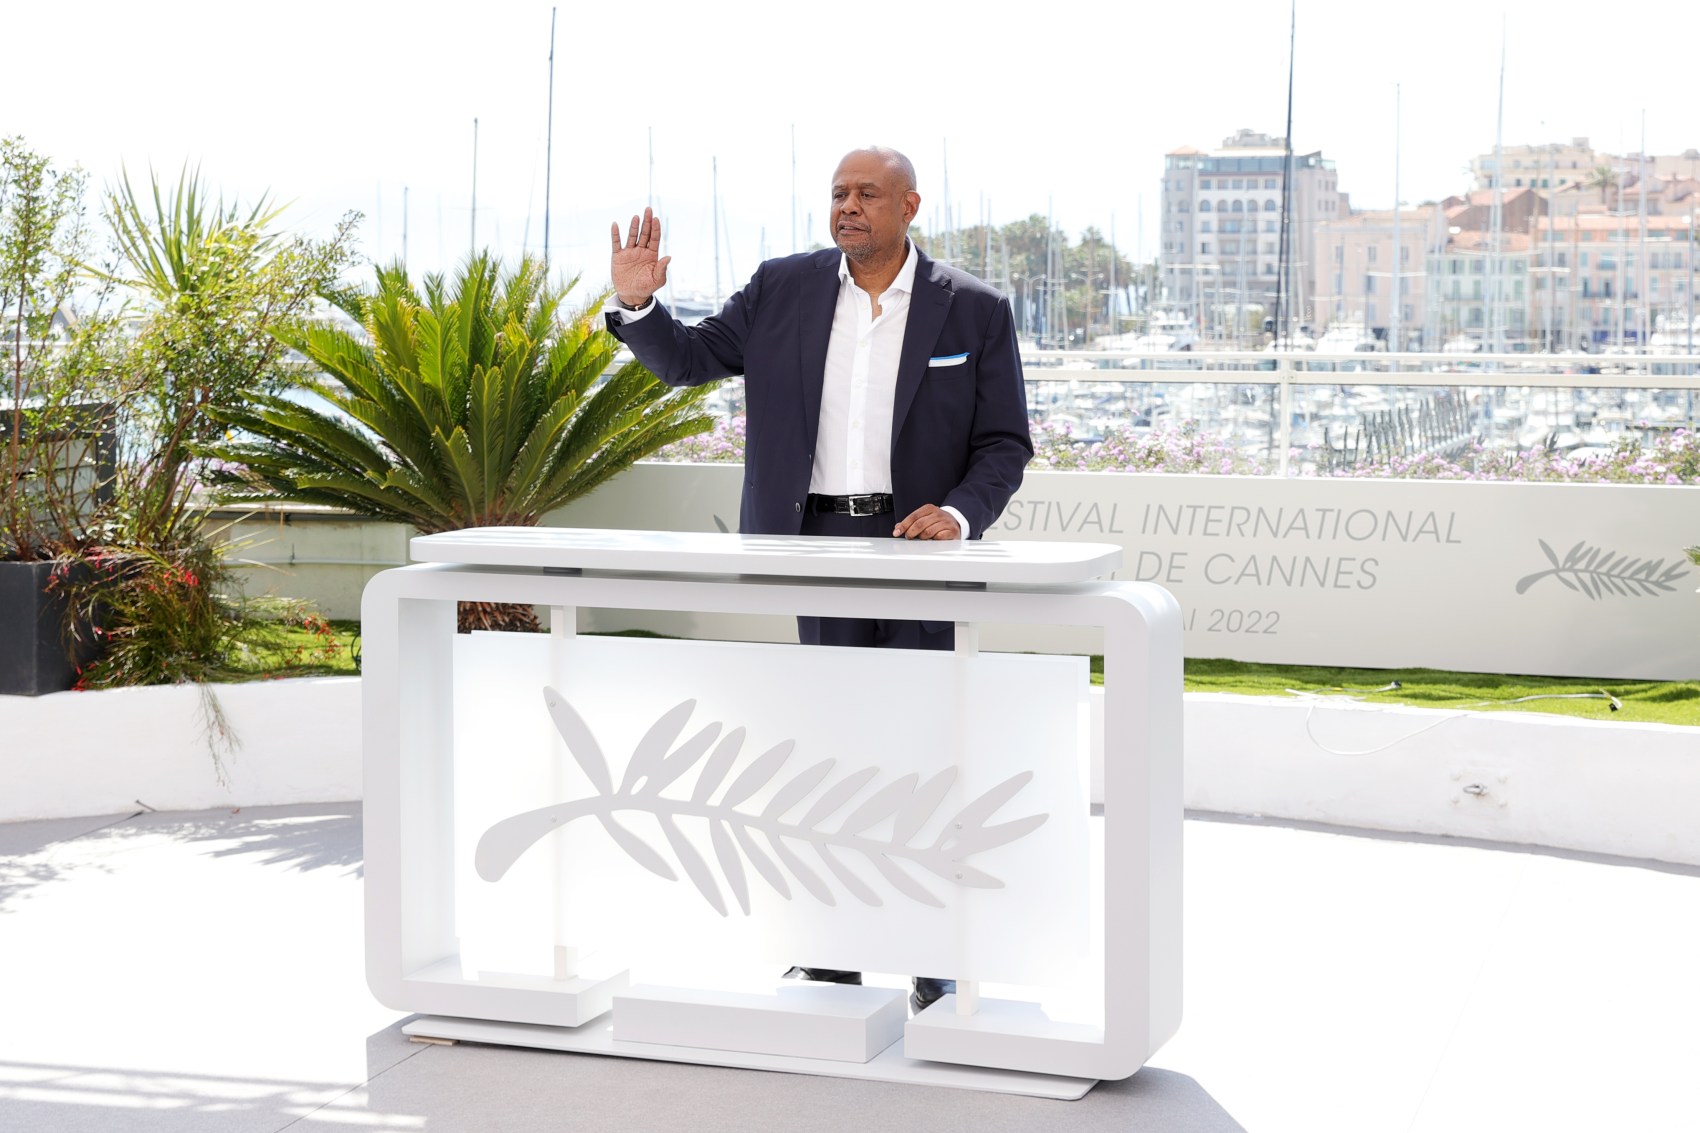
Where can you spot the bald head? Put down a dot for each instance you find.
(895, 161)
(873, 201)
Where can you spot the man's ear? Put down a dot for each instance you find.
(912, 202)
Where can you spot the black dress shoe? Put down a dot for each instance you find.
(928, 991)
(825, 975)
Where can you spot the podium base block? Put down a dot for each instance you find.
(1001, 1033)
(840, 1022)
(597, 1037)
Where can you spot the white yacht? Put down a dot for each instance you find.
(1167, 330)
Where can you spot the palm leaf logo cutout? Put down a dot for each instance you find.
(764, 837)
(1599, 573)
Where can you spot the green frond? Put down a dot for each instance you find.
(475, 399)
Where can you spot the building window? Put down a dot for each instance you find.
(1269, 226)
(1230, 247)
(1404, 255)
(1239, 183)
(1268, 269)
(1237, 207)
(1269, 205)
(1204, 226)
(1405, 312)
(1185, 206)
(1269, 183)
(1269, 247)
(1369, 253)
(1204, 247)
(1205, 184)
(1369, 285)
(1203, 206)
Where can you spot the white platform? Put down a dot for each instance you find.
(420, 879)
(888, 1066)
(841, 1022)
(699, 553)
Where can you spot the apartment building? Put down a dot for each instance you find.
(1221, 229)
(1364, 278)
(1604, 280)
(1545, 166)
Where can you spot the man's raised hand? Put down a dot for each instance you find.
(635, 269)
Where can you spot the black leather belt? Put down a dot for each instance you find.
(875, 504)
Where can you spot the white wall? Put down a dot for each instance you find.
(1626, 789)
(81, 753)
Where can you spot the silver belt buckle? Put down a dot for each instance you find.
(857, 503)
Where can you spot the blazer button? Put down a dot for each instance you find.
(797, 507)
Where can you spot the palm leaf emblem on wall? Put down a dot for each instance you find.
(739, 833)
(1598, 572)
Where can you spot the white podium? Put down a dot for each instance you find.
(884, 810)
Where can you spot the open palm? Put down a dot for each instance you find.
(636, 269)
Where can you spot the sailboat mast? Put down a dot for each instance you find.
(1642, 320)
(1496, 219)
(474, 247)
(549, 144)
(1398, 246)
(714, 188)
(1284, 255)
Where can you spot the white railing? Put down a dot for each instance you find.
(1286, 370)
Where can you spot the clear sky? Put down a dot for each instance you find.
(1071, 105)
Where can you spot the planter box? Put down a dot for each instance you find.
(33, 654)
(105, 752)
(1624, 789)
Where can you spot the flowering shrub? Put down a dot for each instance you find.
(725, 442)
(1671, 459)
(1182, 449)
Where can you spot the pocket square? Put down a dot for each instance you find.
(948, 360)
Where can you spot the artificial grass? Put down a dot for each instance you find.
(292, 651)
(1642, 702)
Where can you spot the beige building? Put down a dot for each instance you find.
(1546, 166)
(1221, 230)
(1601, 279)
(1360, 276)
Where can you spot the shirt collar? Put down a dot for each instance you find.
(905, 281)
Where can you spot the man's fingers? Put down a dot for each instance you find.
(614, 230)
(655, 233)
(634, 237)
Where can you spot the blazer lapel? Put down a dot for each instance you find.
(815, 309)
(929, 303)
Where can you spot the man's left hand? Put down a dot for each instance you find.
(927, 522)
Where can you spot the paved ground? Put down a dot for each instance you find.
(203, 972)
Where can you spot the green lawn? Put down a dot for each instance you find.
(292, 651)
(296, 652)
(1657, 702)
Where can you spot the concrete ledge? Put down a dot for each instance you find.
(87, 753)
(839, 1022)
(1631, 790)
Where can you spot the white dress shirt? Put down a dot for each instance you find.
(853, 436)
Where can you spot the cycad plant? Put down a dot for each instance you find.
(480, 402)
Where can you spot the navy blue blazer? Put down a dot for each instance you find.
(959, 432)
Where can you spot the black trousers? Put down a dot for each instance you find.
(878, 632)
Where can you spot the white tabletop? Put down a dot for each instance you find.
(799, 556)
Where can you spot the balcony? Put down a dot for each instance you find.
(202, 969)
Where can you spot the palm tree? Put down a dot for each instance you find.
(1605, 179)
(477, 403)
